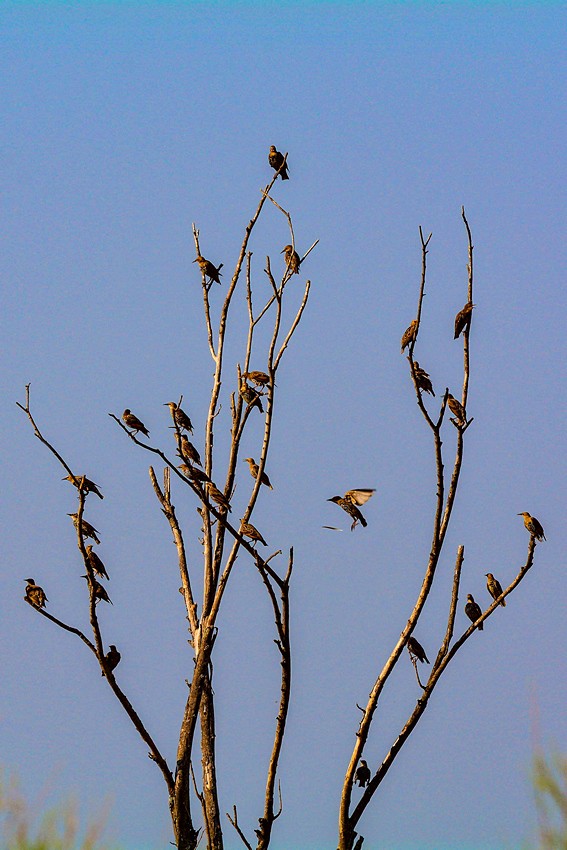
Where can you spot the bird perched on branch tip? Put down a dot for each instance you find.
(473, 610)
(134, 423)
(35, 594)
(350, 502)
(278, 161)
(494, 588)
(410, 335)
(463, 319)
(533, 526)
(415, 648)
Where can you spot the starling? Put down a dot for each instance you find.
(422, 379)
(215, 494)
(410, 335)
(457, 409)
(87, 485)
(494, 588)
(463, 319)
(253, 466)
(291, 259)
(35, 594)
(349, 503)
(96, 564)
(134, 423)
(188, 451)
(250, 396)
(415, 648)
(533, 526)
(111, 659)
(248, 530)
(208, 269)
(258, 378)
(193, 473)
(472, 610)
(87, 529)
(98, 590)
(179, 416)
(277, 161)
(362, 775)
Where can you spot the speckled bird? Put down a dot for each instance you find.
(249, 530)
(415, 648)
(35, 594)
(533, 526)
(179, 416)
(134, 423)
(188, 451)
(350, 502)
(291, 259)
(260, 379)
(87, 529)
(277, 161)
(209, 269)
(494, 588)
(250, 396)
(253, 467)
(193, 473)
(463, 319)
(215, 494)
(410, 335)
(96, 564)
(422, 379)
(457, 409)
(85, 483)
(473, 611)
(97, 590)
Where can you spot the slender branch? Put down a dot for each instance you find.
(234, 822)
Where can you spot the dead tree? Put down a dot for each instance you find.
(253, 390)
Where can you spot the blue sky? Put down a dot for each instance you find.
(123, 124)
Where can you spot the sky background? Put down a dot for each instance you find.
(123, 123)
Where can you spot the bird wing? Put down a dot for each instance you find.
(359, 497)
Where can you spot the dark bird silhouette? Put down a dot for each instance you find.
(463, 319)
(250, 396)
(188, 451)
(494, 588)
(457, 409)
(533, 526)
(249, 530)
(260, 379)
(362, 775)
(472, 610)
(87, 529)
(349, 503)
(415, 648)
(291, 259)
(253, 467)
(84, 483)
(215, 494)
(35, 594)
(96, 564)
(208, 269)
(111, 659)
(410, 335)
(422, 379)
(193, 473)
(278, 161)
(97, 590)
(179, 416)
(134, 423)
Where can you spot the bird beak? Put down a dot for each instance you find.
(194, 261)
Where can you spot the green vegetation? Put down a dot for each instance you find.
(550, 785)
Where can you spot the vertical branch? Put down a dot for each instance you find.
(466, 363)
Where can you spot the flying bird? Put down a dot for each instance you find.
(533, 526)
(179, 416)
(416, 649)
(253, 467)
(85, 484)
(96, 564)
(278, 161)
(494, 588)
(463, 319)
(422, 379)
(35, 594)
(472, 610)
(249, 530)
(134, 423)
(87, 529)
(291, 259)
(208, 269)
(350, 502)
(362, 775)
(111, 659)
(97, 590)
(410, 335)
(457, 409)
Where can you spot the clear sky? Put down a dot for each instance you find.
(122, 124)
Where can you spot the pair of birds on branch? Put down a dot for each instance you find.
(180, 418)
(473, 609)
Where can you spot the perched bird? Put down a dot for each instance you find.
(415, 648)
(85, 484)
(111, 659)
(533, 526)
(463, 319)
(261, 379)
(193, 473)
(277, 161)
(472, 610)
(134, 423)
(87, 529)
(179, 416)
(249, 530)
(188, 451)
(35, 594)
(215, 494)
(410, 335)
(457, 409)
(349, 503)
(362, 775)
(250, 396)
(253, 466)
(208, 269)
(291, 259)
(96, 564)
(97, 590)
(494, 588)
(422, 379)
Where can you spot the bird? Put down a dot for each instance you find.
(97, 590)
(472, 610)
(494, 588)
(249, 530)
(87, 529)
(422, 379)
(463, 319)
(349, 503)
(111, 659)
(410, 335)
(96, 564)
(291, 259)
(35, 594)
(261, 379)
(415, 648)
(250, 396)
(278, 161)
(85, 484)
(533, 526)
(253, 466)
(134, 423)
(187, 450)
(179, 416)
(193, 473)
(457, 409)
(208, 269)
(215, 494)
(362, 775)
